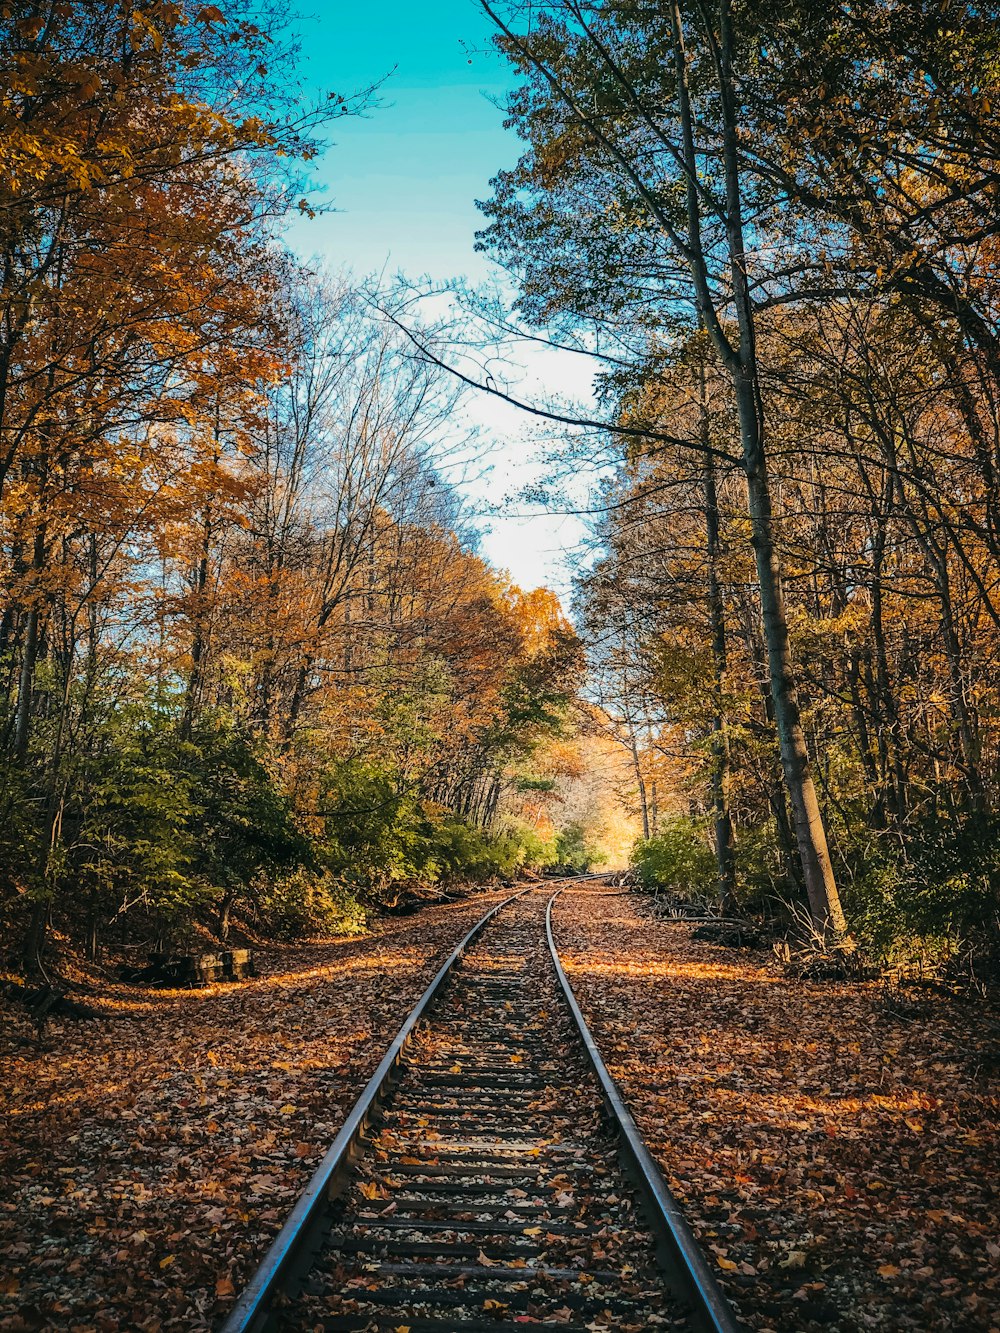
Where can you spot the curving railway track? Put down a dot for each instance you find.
(489, 1177)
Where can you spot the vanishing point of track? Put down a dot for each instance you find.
(489, 1177)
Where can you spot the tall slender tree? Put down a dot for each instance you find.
(645, 108)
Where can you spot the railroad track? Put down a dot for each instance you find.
(489, 1177)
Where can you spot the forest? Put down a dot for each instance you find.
(249, 656)
(774, 227)
(405, 927)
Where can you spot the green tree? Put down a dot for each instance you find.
(241, 821)
(635, 176)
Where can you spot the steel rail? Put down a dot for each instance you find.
(279, 1266)
(685, 1260)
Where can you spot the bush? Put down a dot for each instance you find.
(679, 859)
(132, 846)
(533, 851)
(464, 852)
(241, 819)
(377, 833)
(575, 852)
(381, 834)
(301, 903)
(165, 827)
(921, 904)
(521, 847)
(763, 881)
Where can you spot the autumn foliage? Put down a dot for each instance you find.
(248, 655)
(775, 229)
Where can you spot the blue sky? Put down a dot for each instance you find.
(406, 177)
(404, 181)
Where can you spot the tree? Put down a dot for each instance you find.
(138, 184)
(646, 108)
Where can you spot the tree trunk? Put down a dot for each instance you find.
(34, 942)
(29, 657)
(969, 745)
(198, 642)
(817, 870)
(94, 933)
(640, 784)
(225, 910)
(201, 627)
(741, 362)
(889, 721)
(725, 842)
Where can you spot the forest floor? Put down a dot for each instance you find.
(837, 1155)
(148, 1159)
(834, 1147)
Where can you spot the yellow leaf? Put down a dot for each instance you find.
(165, 1263)
(727, 1265)
(915, 1125)
(794, 1259)
(888, 1270)
(287, 1110)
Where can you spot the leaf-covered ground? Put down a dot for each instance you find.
(840, 1160)
(147, 1160)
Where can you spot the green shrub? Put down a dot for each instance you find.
(376, 832)
(677, 858)
(466, 852)
(134, 847)
(379, 834)
(763, 883)
(533, 851)
(165, 826)
(575, 851)
(921, 902)
(300, 903)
